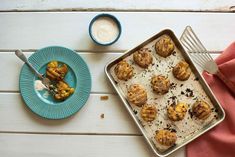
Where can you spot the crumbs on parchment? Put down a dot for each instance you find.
(189, 92)
(196, 79)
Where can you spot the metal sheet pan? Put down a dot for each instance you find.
(186, 56)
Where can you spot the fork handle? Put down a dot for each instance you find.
(20, 55)
(226, 81)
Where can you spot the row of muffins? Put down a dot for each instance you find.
(160, 84)
(124, 71)
(137, 95)
(164, 47)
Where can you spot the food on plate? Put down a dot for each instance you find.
(137, 95)
(143, 58)
(164, 46)
(160, 84)
(58, 88)
(201, 110)
(62, 91)
(55, 71)
(39, 86)
(182, 71)
(148, 112)
(166, 137)
(177, 112)
(123, 70)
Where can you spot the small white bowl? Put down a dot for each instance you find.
(114, 19)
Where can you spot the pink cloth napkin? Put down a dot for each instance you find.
(220, 141)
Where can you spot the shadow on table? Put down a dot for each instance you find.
(93, 47)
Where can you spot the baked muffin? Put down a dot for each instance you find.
(182, 71)
(177, 112)
(62, 91)
(55, 71)
(137, 95)
(143, 58)
(165, 46)
(148, 112)
(201, 110)
(160, 84)
(123, 70)
(166, 137)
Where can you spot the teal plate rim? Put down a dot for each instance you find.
(71, 105)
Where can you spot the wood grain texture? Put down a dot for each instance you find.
(12, 145)
(86, 134)
(16, 117)
(27, 30)
(129, 5)
(73, 146)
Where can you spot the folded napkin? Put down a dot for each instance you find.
(220, 141)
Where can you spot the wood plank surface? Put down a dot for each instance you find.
(26, 145)
(34, 30)
(65, 23)
(127, 5)
(22, 133)
(16, 117)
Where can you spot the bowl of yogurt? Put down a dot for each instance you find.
(105, 29)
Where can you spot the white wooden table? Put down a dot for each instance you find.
(30, 25)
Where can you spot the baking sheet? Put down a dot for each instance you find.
(180, 91)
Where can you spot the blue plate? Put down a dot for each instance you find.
(78, 77)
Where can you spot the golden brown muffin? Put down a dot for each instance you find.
(165, 46)
(166, 137)
(182, 71)
(201, 110)
(177, 112)
(143, 58)
(160, 84)
(63, 91)
(137, 95)
(123, 70)
(148, 112)
(56, 72)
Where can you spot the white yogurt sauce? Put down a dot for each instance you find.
(105, 30)
(39, 86)
(46, 95)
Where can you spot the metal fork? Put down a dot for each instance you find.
(45, 81)
(201, 56)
